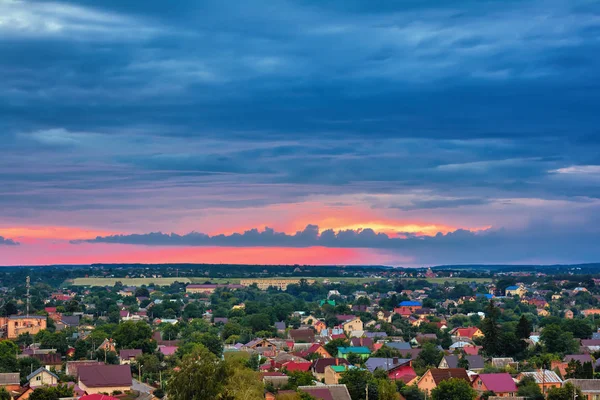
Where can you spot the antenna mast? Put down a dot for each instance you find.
(27, 286)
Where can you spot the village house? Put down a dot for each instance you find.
(105, 378)
(589, 387)
(319, 365)
(517, 290)
(333, 373)
(545, 379)
(501, 384)
(41, 377)
(327, 392)
(434, 376)
(19, 324)
(385, 316)
(363, 352)
(407, 307)
(127, 356)
(10, 381)
(469, 333)
(209, 288)
(351, 325)
(396, 368)
(475, 362)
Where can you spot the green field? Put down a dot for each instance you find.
(454, 280)
(168, 281)
(124, 281)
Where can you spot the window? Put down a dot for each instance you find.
(38, 378)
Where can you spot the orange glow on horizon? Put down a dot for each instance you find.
(51, 232)
(45, 253)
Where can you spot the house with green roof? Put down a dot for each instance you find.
(330, 302)
(333, 373)
(344, 352)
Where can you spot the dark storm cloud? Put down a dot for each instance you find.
(449, 203)
(461, 246)
(7, 242)
(224, 103)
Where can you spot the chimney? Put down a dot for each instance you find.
(337, 361)
(272, 363)
(395, 360)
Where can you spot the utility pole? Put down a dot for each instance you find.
(367, 392)
(27, 286)
(140, 372)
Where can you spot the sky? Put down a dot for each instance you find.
(407, 133)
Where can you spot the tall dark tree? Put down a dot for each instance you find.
(491, 330)
(524, 328)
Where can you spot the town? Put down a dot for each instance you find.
(365, 333)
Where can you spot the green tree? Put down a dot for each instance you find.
(356, 380)
(453, 389)
(332, 346)
(354, 359)
(412, 392)
(491, 330)
(463, 362)
(213, 343)
(567, 392)
(200, 377)
(134, 335)
(556, 340)
(52, 392)
(387, 390)
(8, 356)
(244, 384)
(299, 378)
(524, 328)
(528, 388)
(4, 395)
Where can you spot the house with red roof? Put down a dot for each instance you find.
(292, 366)
(470, 333)
(501, 384)
(315, 348)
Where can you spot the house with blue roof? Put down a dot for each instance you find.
(408, 307)
(515, 290)
(410, 303)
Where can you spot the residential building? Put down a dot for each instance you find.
(476, 362)
(281, 284)
(396, 368)
(16, 325)
(10, 381)
(319, 365)
(501, 384)
(517, 290)
(127, 356)
(41, 377)
(589, 387)
(333, 373)
(344, 352)
(545, 379)
(105, 378)
(327, 392)
(434, 376)
(209, 288)
(469, 333)
(354, 324)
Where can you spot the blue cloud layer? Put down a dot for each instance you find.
(7, 242)
(107, 108)
(461, 246)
